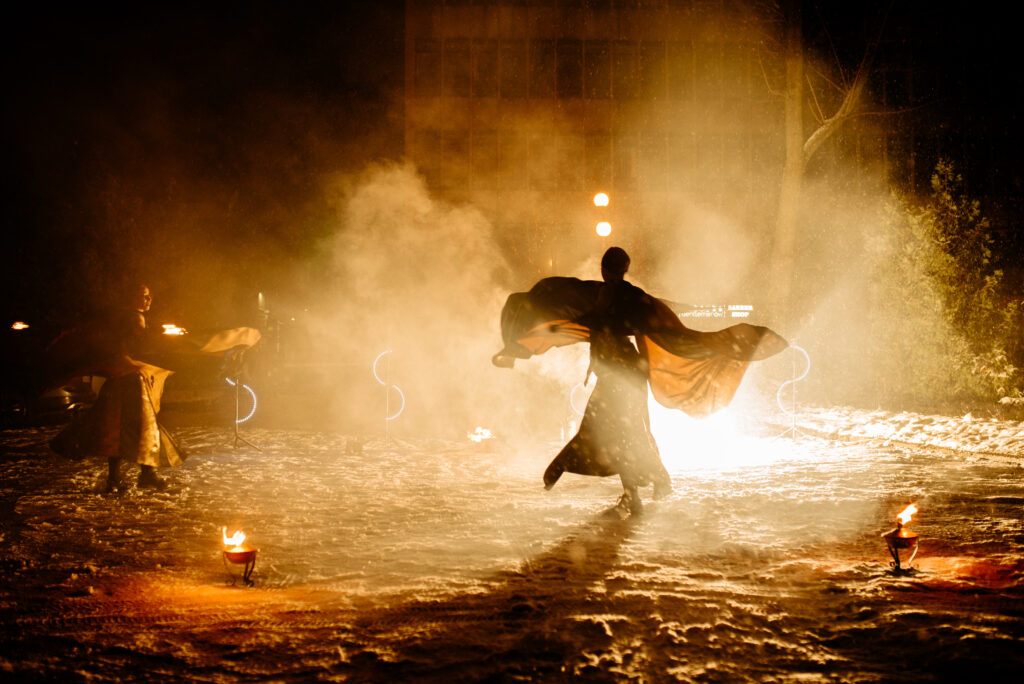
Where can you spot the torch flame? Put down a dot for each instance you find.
(235, 540)
(907, 514)
(480, 434)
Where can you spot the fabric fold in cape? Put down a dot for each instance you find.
(693, 371)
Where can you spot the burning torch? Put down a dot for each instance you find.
(901, 539)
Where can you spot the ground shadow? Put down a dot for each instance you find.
(512, 630)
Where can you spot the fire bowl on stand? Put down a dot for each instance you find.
(244, 556)
(902, 540)
(237, 552)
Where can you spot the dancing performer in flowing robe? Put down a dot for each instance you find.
(696, 372)
(121, 427)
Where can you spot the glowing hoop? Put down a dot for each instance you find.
(778, 394)
(389, 387)
(572, 399)
(251, 394)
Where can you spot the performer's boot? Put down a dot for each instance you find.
(630, 503)
(148, 479)
(114, 475)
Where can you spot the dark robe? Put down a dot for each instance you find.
(122, 424)
(696, 372)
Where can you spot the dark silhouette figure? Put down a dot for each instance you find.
(615, 434)
(635, 340)
(122, 426)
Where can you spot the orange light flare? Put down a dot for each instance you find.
(716, 443)
(600, 200)
(172, 329)
(604, 229)
(19, 325)
(236, 542)
(906, 514)
(480, 434)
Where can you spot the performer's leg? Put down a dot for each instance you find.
(113, 475)
(630, 503)
(149, 479)
(653, 466)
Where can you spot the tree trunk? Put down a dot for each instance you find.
(787, 219)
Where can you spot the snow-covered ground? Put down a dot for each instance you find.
(420, 560)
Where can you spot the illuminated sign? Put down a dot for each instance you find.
(719, 311)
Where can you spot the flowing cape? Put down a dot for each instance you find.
(693, 371)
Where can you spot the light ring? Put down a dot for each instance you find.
(251, 394)
(395, 387)
(375, 361)
(778, 394)
(400, 394)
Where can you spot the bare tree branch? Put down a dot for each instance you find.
(819, 113)
(832, 46)
(764, 72)
(852, 98)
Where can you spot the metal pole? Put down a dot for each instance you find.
(387, 401)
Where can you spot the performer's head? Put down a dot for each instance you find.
(141, 299)
(614, 264)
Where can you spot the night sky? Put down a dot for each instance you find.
(141, 143)
(231, 112)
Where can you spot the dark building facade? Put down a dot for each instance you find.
(530, 108)
(671, 107)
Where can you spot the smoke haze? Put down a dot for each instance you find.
(273, 164)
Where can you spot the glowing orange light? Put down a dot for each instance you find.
(480, 434)
(600, 200)
(238, 552)
(235, 541)
(171, 329)
(19, 325)
(907, 513)
(604, 229)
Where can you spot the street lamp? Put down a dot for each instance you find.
(600, 200)
(604, 229)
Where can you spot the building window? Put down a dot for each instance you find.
(708, 62)
(456, 160)
(572, 151)
(513, 65)
(652, 70)
(542, 68)
(514, 159)
(597, 61)
(654, 158)
(598, 164)
(485, 159)
(458, 69)
(542, 163)
(426, 145)
(570, 68)
(427, 66)
(680, 69)
(625, 161)
(485, 68)
(624, 76)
